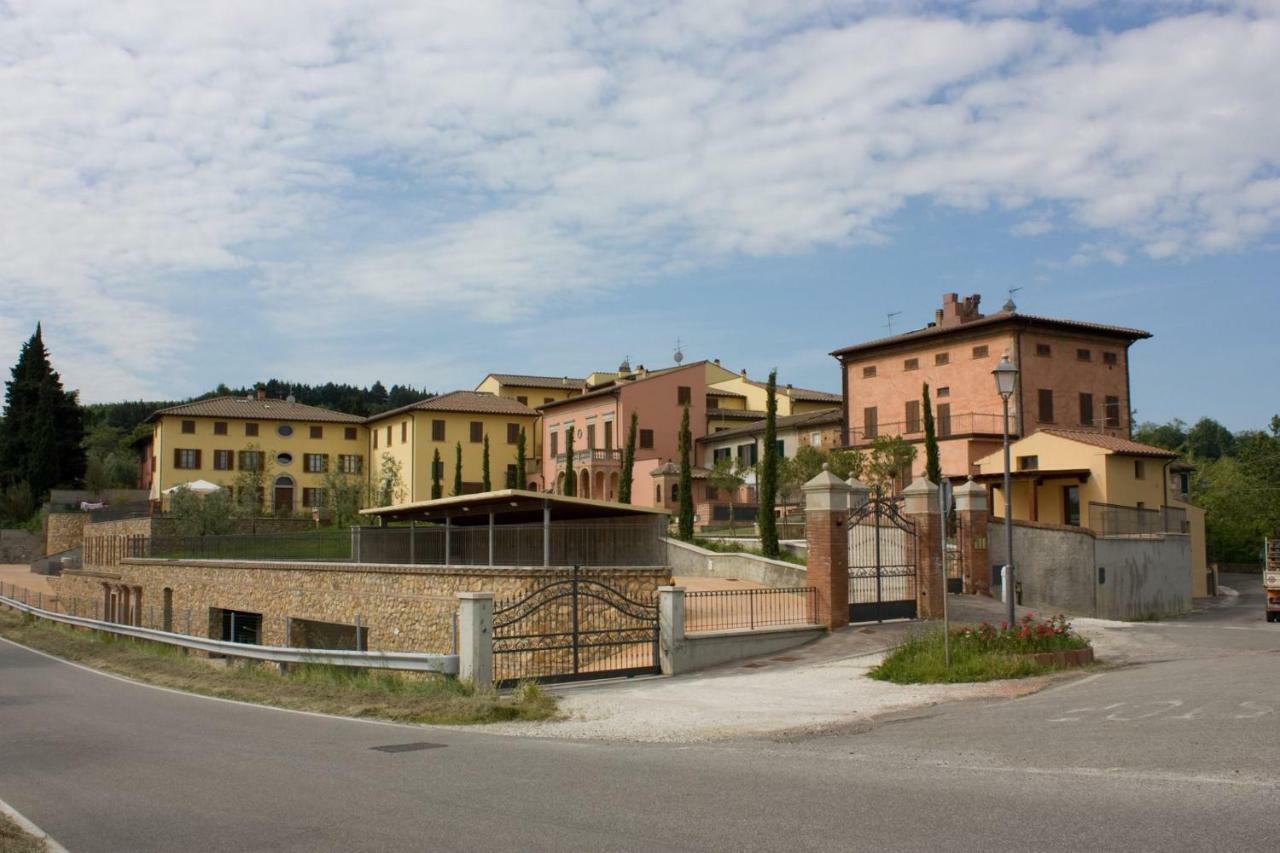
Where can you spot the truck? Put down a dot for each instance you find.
(1271, 580)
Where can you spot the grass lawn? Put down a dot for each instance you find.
(406, 698)
(984, 653)
(14, 839)
(324, 545)
(735, 548)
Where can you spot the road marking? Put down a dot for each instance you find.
(1253, 710)
(30, 828)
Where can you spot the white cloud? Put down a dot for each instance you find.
(488, 158)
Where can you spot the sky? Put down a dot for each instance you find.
(425, 192)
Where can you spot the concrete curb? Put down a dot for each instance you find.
(30, 828)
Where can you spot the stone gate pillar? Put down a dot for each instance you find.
(826, 515)
(971, 515)
(922, 508)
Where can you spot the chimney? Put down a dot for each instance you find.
(262, 392)
(955, 312)
(717, 362)
(744, 373)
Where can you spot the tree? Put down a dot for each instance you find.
(1170, 436)
(726, 475)
(252, 475)
(685, 517)
(767, 475)
(390, 481)
(521, 462)
(890, 458)
(457, 469)
(485, 484)
(201, 515)
(42, 431)
(342, 492)
(437, 468)
(110, 460)
(17, 504)
(628, 462)
(932, 463)
(570, 479)
(1209, 439)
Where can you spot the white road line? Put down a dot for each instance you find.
(30, 828)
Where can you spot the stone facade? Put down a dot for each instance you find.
(18, 546)
(64, 531)
(403, 608)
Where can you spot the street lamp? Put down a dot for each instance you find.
(1006, 375)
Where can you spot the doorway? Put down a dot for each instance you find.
(283, 497)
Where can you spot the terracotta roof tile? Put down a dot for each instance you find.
(464, 401)
(521, 380)
(808, 419)
(1114, 444)
(255, 409)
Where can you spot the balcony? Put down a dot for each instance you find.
(967, 425)
(1113, 520)
(593, 457)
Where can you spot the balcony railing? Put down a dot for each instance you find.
(1113, 520)
(583, 457)
(968, 423)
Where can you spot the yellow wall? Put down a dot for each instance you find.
(168, 436)
(534, 395)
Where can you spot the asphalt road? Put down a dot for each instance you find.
(1178, 754)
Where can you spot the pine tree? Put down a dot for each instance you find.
(437, 467)
(521, 462)
(570, 479)
(42, 432)
(768, 474)
(686, 480)
(486, 485)
(628, 462)
(932, 463)
(457, 470)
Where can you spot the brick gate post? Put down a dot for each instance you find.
(922, 508)
(826, 532)
(971, 515)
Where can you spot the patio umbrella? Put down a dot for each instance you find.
(200, 487)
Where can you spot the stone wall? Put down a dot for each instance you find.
(690, 560)
(1145, 576)
(18, 546)
(108, 542)
(404, 608)
(64, 531)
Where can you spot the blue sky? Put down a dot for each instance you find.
(422, 193)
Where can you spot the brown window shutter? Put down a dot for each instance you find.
(197, 460)
(177, 458)
(231, 461)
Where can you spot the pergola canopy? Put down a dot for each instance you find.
(509, 506)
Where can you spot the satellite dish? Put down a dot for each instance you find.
(679, 356)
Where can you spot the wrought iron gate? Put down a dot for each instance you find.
(571, 629)
(882, 562)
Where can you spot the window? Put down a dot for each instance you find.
(250, 460)
(911, 364)
(548, 399)
(513, 433)
(675, 492)
(1044, 350)
(1139, 470)
(437, 430)
(284, 458)
(1071, 506)
(350, 463)
(349, 433)
(1110, 358)
(713, 402)
(477, 432)
(1112, 411)
(720, 454)
(251, 430)
(375, 439)
(223, 460)
(591, 436)
(1046, 406)
(869, 371)
(869, 416)
(315, 463)
(1084, 355)
(657, 494)
(315, 431)
(388, 435)
(1182, 479)
(712, 493)
(781, 447)
(913, 416)
(608, 435)
(944, 420)
(284, 430)
(815, 439)
(1028, 463)
(980, 351)
(1086, 409)
(554, 443)
(219, 427)
(646, 439)
(188, 427)
(684, 395)
(522, 400)
(747, 455)
(944, 391)
(942, 358)
(313, 498)
(186, 459)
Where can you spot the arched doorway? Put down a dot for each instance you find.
(613, 486)
(584, 484)
(598, 490)
(282, 498)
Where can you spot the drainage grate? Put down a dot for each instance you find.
(408, 747)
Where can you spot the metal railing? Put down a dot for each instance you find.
(406, 661)
(727, 609)
(966, 423)
(1114, 520)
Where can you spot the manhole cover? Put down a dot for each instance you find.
(407, 747)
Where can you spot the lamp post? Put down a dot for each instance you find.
(1006, 375)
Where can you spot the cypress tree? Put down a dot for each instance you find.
(437, 467)
(486, 485)
(457, 470)
(521, 462)
(42, 432)
(686, 480)
(570, 480)
(767, 478)
(932, 463)
(628, 462)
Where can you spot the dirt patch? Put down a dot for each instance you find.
(14, 839)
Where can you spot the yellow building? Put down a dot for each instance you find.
(1111, 485)
(410, 437)
(531, 390)
(294, 445)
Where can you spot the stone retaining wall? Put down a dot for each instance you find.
(106, 543)
(18, 546)
(64, 531)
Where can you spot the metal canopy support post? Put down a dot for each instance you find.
(491, 537)
(412, 530)
(448, 528)
(546, 533)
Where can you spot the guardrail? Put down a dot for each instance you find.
(404, 661)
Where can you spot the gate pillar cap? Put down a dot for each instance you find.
(826, 481)
(971, 496)
(921, 497)
(826, 492)
(474, 595)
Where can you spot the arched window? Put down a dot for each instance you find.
(675, 492)
(657, 494)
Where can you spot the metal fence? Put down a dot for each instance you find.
(1113, 520)
(727, 609)
(315, 546)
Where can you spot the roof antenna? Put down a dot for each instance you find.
(889, 318)
(1009, 305)
(679, 355)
